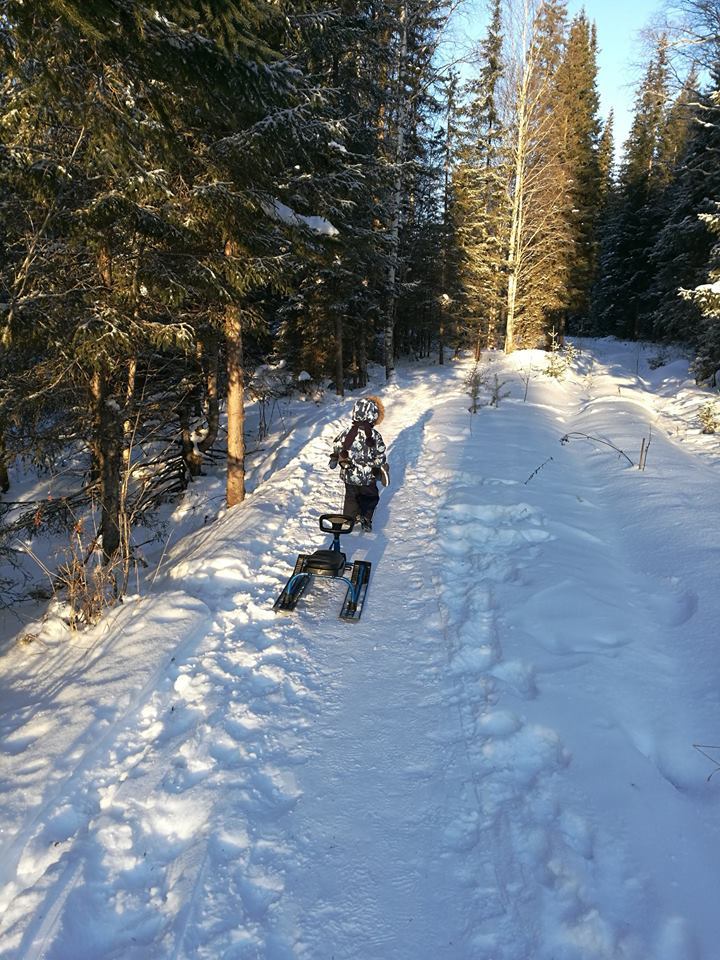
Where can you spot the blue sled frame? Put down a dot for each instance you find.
(330, 563)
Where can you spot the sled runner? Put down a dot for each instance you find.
(329, 563)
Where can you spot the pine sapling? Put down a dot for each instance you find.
(496, 391)
(525, 377)
(659, 359)
(560, 358)
(709, 417)
(474, 382)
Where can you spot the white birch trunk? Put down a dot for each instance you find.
(522, 107)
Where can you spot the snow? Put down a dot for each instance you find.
(709, 287)
(317, 224)
(496, 763)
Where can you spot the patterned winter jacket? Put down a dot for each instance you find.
(360, 450)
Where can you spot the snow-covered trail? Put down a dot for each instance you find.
(495, 764)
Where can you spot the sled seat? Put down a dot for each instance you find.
(326, 563)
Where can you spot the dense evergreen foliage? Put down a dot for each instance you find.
(189, 193)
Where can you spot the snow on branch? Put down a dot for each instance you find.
(280, 211)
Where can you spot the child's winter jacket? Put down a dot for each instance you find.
(360, 450)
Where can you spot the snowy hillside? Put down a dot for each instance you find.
(497, 762)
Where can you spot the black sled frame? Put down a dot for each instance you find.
(329, 563)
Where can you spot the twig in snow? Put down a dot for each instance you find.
(573, 436)
(644, 447)
(526, 376)
(701, 748)
(537, 470)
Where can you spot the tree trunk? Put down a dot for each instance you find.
(128, 423)
(339, 365)
(191, 459)
(108, 446)
(523, 109)
(107, 443)
(511, 301)
(444, 295)
(235, 407)
(235, 488)
(193, 450)
(441, 336)
(516, 221)
(397, 192)
(478, 347)
(128, 437)
(4, 478)
(362, 353)
(212, 361)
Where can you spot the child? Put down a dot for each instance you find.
(360, 451)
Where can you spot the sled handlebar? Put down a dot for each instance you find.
(336, 523)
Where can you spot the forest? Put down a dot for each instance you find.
(194, 194)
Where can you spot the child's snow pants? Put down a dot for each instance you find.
(360, 501)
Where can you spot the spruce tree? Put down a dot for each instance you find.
(606, 163)
(578, 109)
(146, 162)
(701, 181)
(479, 185)
(632, 217)
(328, 318)
(681, 253)
(406, 144)
(706, 297)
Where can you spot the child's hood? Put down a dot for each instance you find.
(368, 410)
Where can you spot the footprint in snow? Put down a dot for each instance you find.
(498, 723)
(258, 891)
(272, 792)
(674, 605)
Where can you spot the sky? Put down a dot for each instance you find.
(619, 23)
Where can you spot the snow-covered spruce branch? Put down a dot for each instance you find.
(21, 278)
(300, 118)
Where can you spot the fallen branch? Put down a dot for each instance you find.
(701, 748)
(537, 470)
(584, 436)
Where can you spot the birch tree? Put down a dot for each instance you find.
(538, 188)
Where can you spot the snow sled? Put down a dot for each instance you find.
(329, 563)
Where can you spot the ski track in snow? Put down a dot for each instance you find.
(433, 781)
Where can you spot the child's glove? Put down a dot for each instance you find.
(383, 474)
(333, 462)
(344, 458)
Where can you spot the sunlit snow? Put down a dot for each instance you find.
(497, 762)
